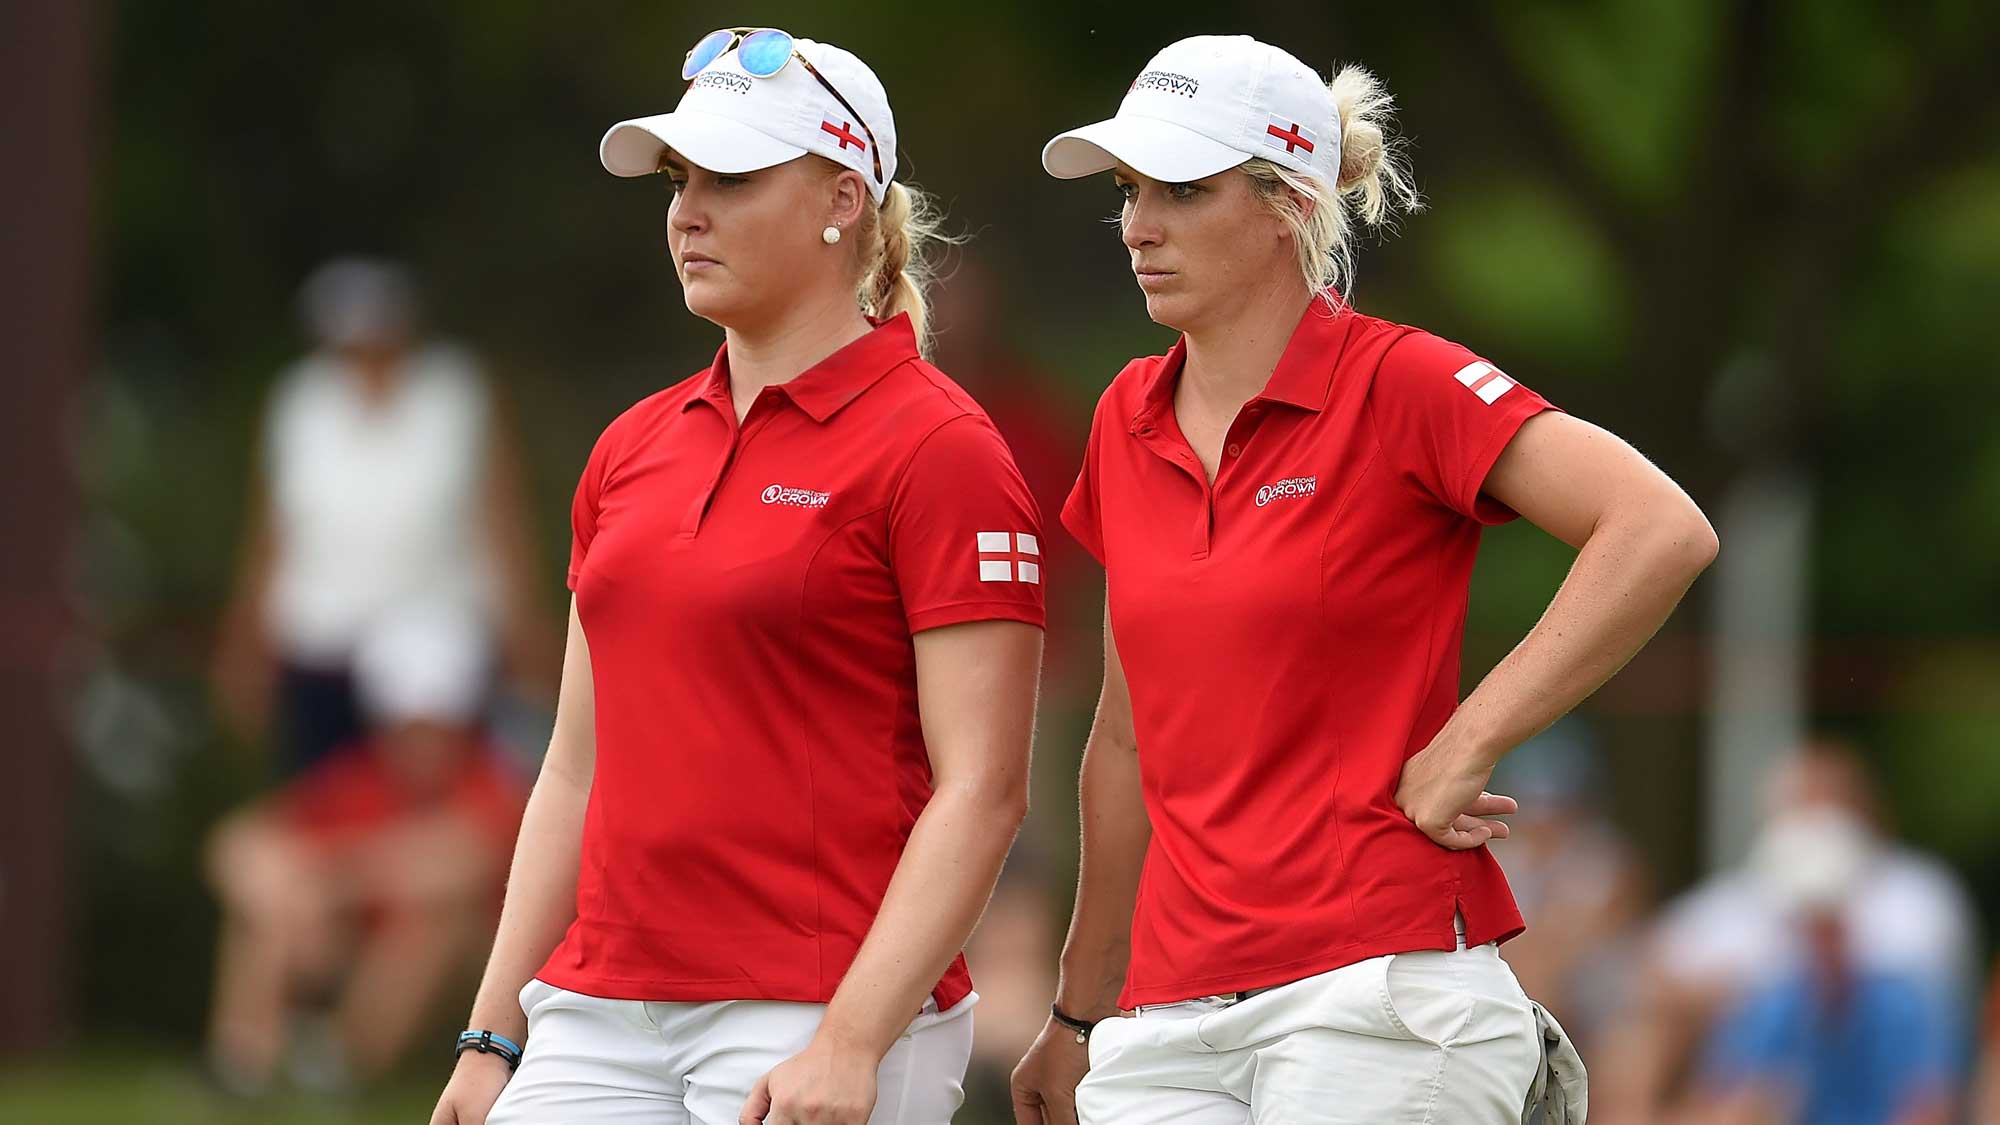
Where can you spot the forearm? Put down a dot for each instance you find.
(1625, 582)
(540, 901)
(941, 885)
(1116, 834)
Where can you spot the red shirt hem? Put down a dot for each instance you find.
(1285, 972)
(962, 612)
(949, 991)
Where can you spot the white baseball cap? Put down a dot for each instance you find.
(1810, 860)
(427, 661)
(1207, 104)
(729, 121)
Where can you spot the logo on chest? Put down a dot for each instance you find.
(1291, 488)
(796, 497)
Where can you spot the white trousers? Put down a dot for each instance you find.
(1411, 1038)
(590, 1060)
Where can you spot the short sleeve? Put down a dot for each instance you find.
(964, 534)
(1080, 511)
(584, 508)
(1444, 415)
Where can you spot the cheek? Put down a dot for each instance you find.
(1220, 245)
(1243, 249)
(796, 228)
(774, 225)
(768, 256)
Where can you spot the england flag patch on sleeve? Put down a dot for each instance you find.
(1484, 380)
(1006, 556)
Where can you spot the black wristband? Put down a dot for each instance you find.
(1083, 1028)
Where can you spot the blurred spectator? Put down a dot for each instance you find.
(1902, 916)
(1830, 1040)
(1578, 882)
(372, 876)
(384, 480)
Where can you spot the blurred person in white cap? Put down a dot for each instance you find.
(384, 477)
(791, 744)
(373, 874)
(1287, 506)
(1903, 915)
(1824, 1039)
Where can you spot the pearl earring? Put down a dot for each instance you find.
(830, 235)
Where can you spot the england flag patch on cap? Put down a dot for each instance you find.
(1296, 138)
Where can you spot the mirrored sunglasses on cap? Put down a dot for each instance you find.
(762, 52)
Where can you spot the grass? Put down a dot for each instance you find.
(140, 1088)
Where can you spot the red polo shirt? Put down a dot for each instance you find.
(1291, 636)
(750, 593)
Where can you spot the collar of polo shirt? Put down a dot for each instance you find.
(1303, 378)
(824, 388)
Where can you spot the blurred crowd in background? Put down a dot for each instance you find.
(308, 348)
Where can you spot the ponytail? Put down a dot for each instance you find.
(899, 270)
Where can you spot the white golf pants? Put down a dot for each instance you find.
(1410, 1038)
(589, 1060)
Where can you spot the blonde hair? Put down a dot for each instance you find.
(1374, 184)
(896, 267)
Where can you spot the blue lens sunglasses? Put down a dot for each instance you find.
(765, 51)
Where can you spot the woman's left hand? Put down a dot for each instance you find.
(821, 1085)
(1443, 792)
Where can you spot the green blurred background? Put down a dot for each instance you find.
(1760, 240)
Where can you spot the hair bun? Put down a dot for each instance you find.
(1361, 151)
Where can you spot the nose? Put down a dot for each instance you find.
(1139, 227)
(687, 213)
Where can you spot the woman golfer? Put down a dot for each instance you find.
(791, 747)
(1284, 872)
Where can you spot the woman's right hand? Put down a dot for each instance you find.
(1045, 1081)
(475, 1085)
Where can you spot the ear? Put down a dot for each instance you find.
(847, 199)
(1304, 202)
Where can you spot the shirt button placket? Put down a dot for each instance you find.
(699, 508)
(1205, 520)
(691, 523)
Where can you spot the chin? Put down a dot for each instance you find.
(1169, 309)
(710, 300)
